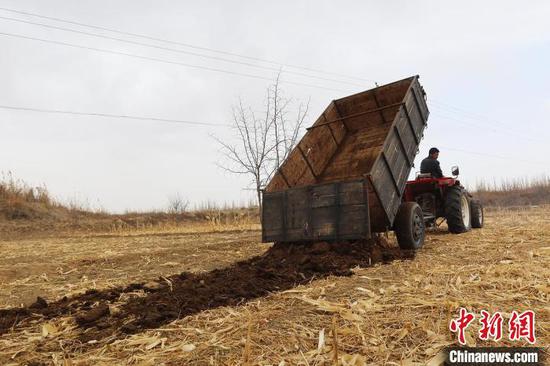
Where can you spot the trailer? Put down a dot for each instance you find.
(345, 179)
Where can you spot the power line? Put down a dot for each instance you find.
(496, 156)
(488, 128)
(177, 50)
(207, 68)
(161, 60)
(189, 65)
(109, 115)
(468, 114)
(197, 123)
(144, 36)
(456, 108)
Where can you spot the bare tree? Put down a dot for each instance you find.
(177, 204)
(263, 142)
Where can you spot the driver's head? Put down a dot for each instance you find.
(434, 153)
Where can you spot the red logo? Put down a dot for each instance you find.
(459, 325)
(491, 326)
(522, 326)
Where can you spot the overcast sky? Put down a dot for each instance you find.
(484, 65)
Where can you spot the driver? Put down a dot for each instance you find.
(431, 164)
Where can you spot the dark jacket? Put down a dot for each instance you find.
(431, 166)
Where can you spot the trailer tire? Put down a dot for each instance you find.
(457, 210)
(409, 226)
(478, 216)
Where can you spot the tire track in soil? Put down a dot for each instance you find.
(282, 267)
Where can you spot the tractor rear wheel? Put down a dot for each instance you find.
(457, 210)
(409, 226)
(477, 214)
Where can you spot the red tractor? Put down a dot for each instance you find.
(438, 198)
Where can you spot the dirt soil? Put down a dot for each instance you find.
(225, 298)
(281, 267)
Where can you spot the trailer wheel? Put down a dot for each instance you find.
(477, 214)
(457, 210)
(409, 226)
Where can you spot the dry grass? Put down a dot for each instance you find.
(515, 192)
(64, 266)
(392, 314)
(27, 211)
(21, 201)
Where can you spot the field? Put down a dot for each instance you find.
(196, 296)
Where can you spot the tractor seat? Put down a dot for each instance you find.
(423, 175)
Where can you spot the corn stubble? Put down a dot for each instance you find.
(394, 311)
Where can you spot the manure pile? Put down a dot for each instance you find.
(107, 313)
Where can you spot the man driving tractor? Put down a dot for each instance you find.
(431, 164)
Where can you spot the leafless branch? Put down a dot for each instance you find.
(177, 204)
(263, 143)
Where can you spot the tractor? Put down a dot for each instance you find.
(433, 201)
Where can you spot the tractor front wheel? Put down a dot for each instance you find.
(457, 210)
(409, 226)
